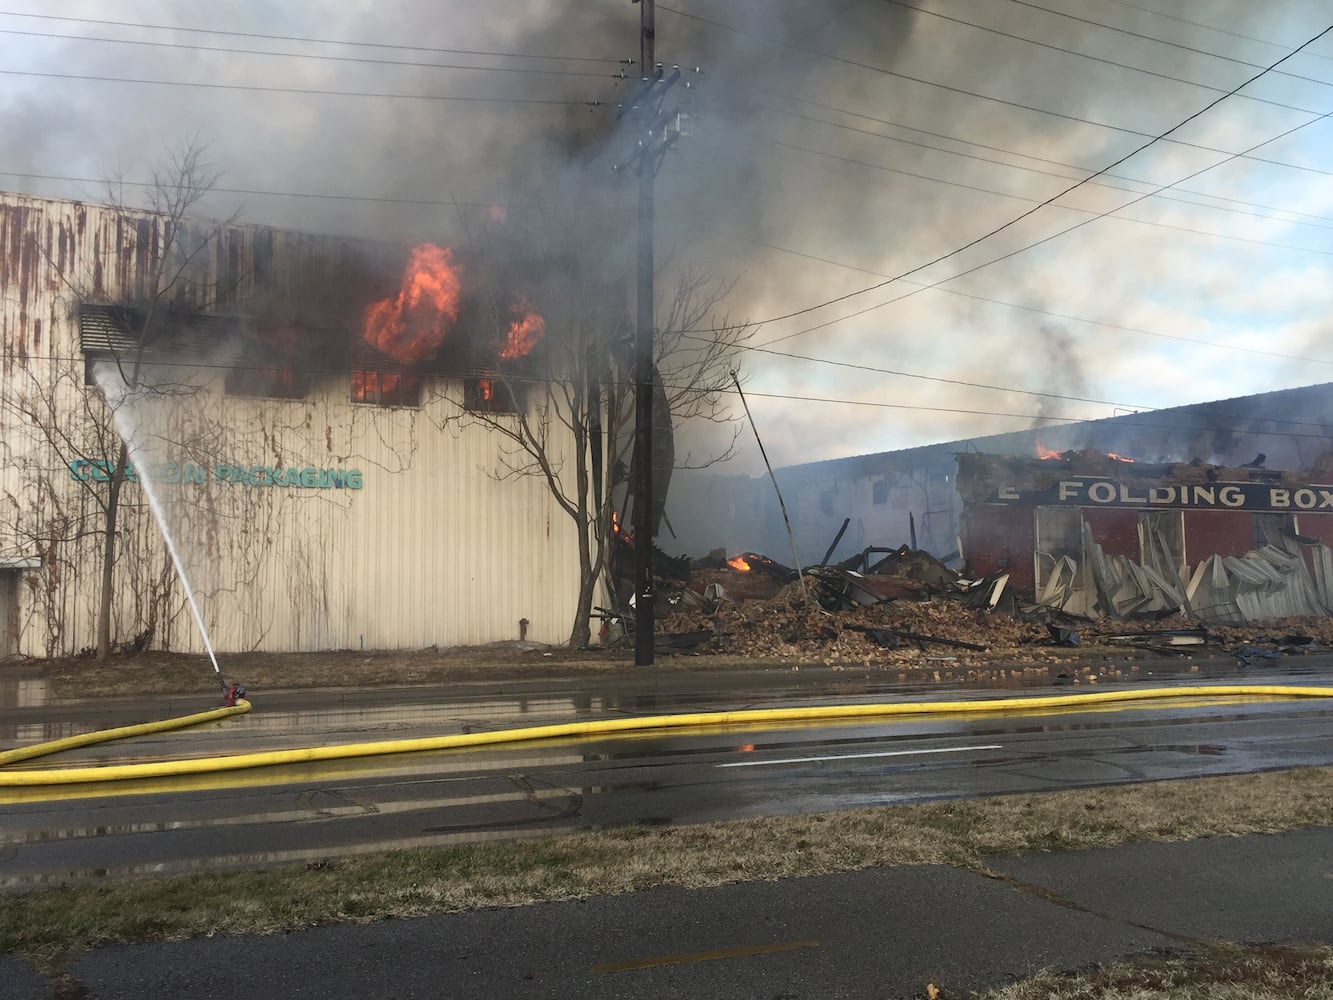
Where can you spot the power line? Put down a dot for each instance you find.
(1025, 247)
(498, 69)
(944, 86)
(1069, 208)
(307, 55)
(1048, 201)
(311, 40)
(1038, 159)
(1207, 27)
(887, 371)
(922, 286)
(259, 192)
(986, 97)
(1029, 156)
(331, 196)
(1150, 38)
(785, 250)
(454, 66)
(1112, 62)
(789, 397)
(267, 193)
(942, 380)
(1052, 418)
(1145, 37)
(307, 91)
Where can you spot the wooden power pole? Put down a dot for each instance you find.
(644, 618)
(654, 129)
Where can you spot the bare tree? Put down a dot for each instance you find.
(178, 185)
(571, 419)
(150, 276)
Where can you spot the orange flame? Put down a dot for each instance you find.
(411, 325)
(739, 563)
(618, 531)
(373, 387)
(1046, 453)
(524, 332)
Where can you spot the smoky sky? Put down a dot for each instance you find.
(819, 161)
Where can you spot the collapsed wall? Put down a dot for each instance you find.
(1093, 534)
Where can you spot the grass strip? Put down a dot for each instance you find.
(1221, 972)
(607, 862)
(164, 673)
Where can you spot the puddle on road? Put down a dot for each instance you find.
(23, 692)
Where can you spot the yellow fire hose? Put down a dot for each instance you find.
(603, 727)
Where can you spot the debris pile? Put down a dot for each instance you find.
(905, 607)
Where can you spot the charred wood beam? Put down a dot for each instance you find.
(836, 539)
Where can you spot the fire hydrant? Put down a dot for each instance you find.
(234, 694)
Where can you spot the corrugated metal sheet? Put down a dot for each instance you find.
(1269, 582)
(436, 547)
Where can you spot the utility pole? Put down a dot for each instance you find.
(644, 618)
(654, 134)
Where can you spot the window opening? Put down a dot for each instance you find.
(271, 383)
(488, 395)
(382, 388)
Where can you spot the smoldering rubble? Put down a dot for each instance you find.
(906, 610)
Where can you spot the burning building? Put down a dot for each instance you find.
(313, 420)
(1079, 550)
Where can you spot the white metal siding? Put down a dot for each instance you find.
(434, 549)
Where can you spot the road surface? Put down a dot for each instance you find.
(277, 815)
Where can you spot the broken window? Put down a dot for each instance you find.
(488, 395)
(879, 492)
(1059, 559)
(383, 388)
(269, 383)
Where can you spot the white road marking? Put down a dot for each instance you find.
(858, 756)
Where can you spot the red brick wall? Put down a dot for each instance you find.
(1217, 532)
(996, 535)
(1116, 531)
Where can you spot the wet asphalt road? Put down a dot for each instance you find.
(278, 815)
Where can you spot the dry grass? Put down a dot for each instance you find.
(157, 673)
(1225, 972)
(418, 882)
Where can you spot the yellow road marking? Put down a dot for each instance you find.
(688, 958)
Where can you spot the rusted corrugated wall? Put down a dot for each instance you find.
(432, 548)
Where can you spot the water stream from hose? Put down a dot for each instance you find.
(116, 393)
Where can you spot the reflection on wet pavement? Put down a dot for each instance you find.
(311, 813)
